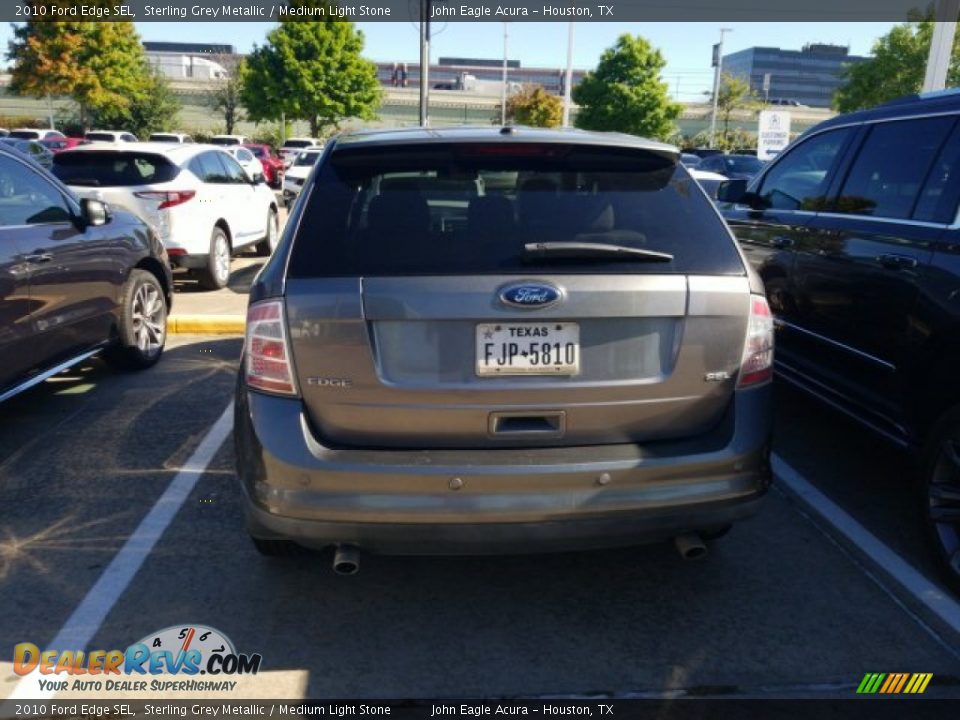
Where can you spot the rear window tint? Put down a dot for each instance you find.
(470, 209)
(891, 167)
(113, 169)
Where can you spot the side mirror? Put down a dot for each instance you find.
(94, 212)
(732, 191)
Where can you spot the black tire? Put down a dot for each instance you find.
(266, 246)
(272, 547)
(940, 496)
(143, 323)
(214, 276)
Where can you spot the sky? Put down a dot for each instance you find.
(686, 46)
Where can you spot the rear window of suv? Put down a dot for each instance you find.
(470, 209)
(113, 169)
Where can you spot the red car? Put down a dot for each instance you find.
(271, 162)
(56, 145)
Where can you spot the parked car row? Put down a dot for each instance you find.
(521, 309)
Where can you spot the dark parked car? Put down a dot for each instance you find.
(75, 279)
(734, 167)
(854, 229)
(502, 340)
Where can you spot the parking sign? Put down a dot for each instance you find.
(773, 133)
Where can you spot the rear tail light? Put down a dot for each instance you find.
(169, 198)
(267, 363)
(757, 364)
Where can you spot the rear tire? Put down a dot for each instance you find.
(940, 496)
(143, 323)
(217, 272)
(272, 547)
(266, 246)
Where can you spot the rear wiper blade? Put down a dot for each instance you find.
(589, 250)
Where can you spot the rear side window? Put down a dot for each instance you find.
(297, 144)
(941, 192)
(100, 136)
(470, 209)
(113, 169)
(799, 180)
(306, 159)
(25, 134)
(28, 199)
(892, 167)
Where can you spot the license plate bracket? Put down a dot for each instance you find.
(527, 348)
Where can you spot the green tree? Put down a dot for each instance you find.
(896, 69)
(625, 92)
(733, 95)
(311, 71)
(532, 106)
(100, 65)
(152, 108)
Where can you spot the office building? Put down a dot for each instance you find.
(806, 77)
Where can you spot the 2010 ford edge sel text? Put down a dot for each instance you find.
(480, 340)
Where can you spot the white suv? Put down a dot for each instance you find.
(201, 202)
(110, 136)
(34, 134)
(229, 139)
(292, 146)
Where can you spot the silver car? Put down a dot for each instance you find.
(486, 340)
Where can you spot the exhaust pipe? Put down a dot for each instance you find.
(346, 560)
(690, 546)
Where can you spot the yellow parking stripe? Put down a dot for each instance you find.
(926, 681)
(914, 681)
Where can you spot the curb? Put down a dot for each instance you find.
(206, 324)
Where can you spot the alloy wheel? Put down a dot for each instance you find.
(149, 315)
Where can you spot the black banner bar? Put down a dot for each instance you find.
(875, 708)
(470, 11)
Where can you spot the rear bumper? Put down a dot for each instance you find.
(190, 262)
(406, 501)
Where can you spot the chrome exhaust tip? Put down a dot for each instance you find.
(346, 560)
(690, 546)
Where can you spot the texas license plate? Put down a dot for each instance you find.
(548, 348)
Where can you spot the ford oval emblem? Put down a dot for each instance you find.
(531, 295)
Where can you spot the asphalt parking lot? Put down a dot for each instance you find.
(780, 606)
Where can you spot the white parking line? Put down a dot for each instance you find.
(910, 580)
(83, 624)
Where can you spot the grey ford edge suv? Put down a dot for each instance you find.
(481, 340)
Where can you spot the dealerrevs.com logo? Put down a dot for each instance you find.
(188, 650)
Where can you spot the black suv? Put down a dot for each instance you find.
(75, 279)
(854, 230)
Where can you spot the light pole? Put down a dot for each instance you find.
(941, 45)
(718, 67)
(503, 90)
(568, 81)
(424, 62)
